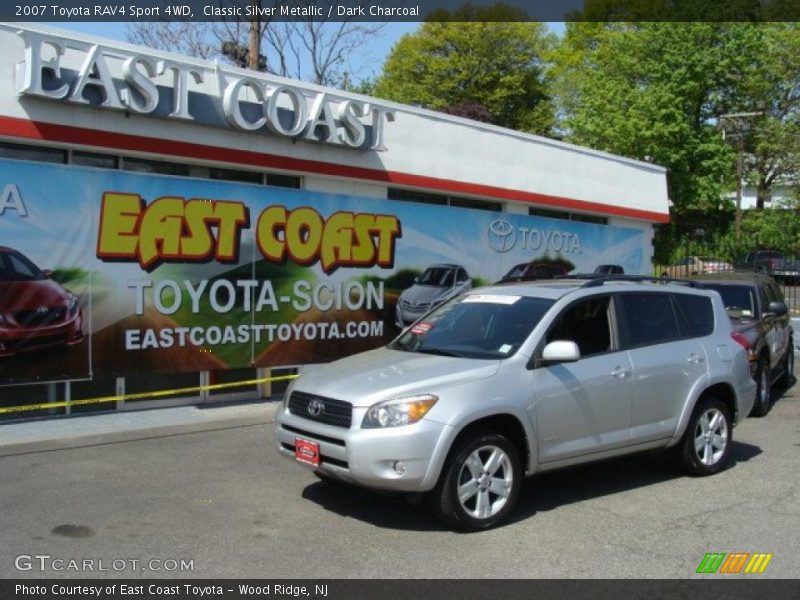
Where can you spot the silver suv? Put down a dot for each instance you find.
(508, 381)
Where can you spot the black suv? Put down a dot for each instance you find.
(761, 324)
(765, 261)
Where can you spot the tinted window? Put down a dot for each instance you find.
(585, 323)
(92, 159)
(762, 294)
(436, 276)
(697, 313)
(650, 318)
(739, 300)
(15, 267)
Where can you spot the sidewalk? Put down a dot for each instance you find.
(85, 430)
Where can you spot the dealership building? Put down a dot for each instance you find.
(75, 108)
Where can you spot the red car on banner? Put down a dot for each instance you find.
(35, 311)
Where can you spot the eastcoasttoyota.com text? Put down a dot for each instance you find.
(359, 299)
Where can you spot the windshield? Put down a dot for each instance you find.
(436, 276)
(15, 267)
(739, 300)
(475, 326)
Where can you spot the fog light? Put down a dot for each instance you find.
(400, 467)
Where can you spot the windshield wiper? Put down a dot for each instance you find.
(440, 352)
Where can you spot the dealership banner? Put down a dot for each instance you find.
(110, 272)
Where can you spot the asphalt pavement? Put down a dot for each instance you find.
(206, 487)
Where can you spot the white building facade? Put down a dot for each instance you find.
(98, 122)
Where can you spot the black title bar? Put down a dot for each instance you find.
(733, 587)
(400, 10)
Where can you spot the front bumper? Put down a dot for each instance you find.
(27, 339)
(366, 457)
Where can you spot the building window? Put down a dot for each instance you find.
(414, 196)
(442, 200)
(37, 153)
(231, 175)
(141, 165)
(476, 204)
(93, 159)
(287, 181)
(567, 216)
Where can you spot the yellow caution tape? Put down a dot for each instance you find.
(143, 395)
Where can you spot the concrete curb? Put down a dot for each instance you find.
(94, 430)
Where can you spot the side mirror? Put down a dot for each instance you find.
(777, 308)
(560, 351)
(47, 273)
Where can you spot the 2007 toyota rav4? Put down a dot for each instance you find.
(508, 381)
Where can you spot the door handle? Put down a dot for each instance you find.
(620, 373)
(695, 359)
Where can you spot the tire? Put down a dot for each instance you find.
(787, 379)
(705, 447)
(763, 389)
(474, 461)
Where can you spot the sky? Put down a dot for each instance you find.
(365, 64)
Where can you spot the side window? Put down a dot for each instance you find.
(587, 324)
(649, 318)
(461, 276)
(20, 268)
(774, 293)
(763, 298)
(697, 313)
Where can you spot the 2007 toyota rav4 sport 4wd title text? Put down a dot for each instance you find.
(511, 380)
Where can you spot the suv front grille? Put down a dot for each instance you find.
(41, 317)
(320, 409)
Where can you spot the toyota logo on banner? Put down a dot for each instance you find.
(501, 235)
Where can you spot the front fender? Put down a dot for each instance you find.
(466, 418)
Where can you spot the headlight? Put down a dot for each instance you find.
(398, 411)
(73, 304)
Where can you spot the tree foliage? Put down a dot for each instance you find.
(655, 92)
(471, 65)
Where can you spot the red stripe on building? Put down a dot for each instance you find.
(67, 134)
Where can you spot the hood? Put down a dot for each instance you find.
(423, 293)
(370, 377)
(30, 295)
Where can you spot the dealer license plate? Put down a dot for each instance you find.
(306, 451)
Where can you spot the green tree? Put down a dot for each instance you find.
(474, 61)
(771, 85)
(653, 91)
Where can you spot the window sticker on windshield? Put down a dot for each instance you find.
(505, 349)
(492, 298)
(421, 328)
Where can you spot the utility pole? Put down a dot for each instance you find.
(254, 49)
(739, 127)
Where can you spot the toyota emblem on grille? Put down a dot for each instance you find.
(41, 310)
(315, 408)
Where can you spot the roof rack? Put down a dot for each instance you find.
(598, 281)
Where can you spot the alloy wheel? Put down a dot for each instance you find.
(711, 437)
(485, 482)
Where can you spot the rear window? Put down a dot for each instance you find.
(649, 319)
(697, 313)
